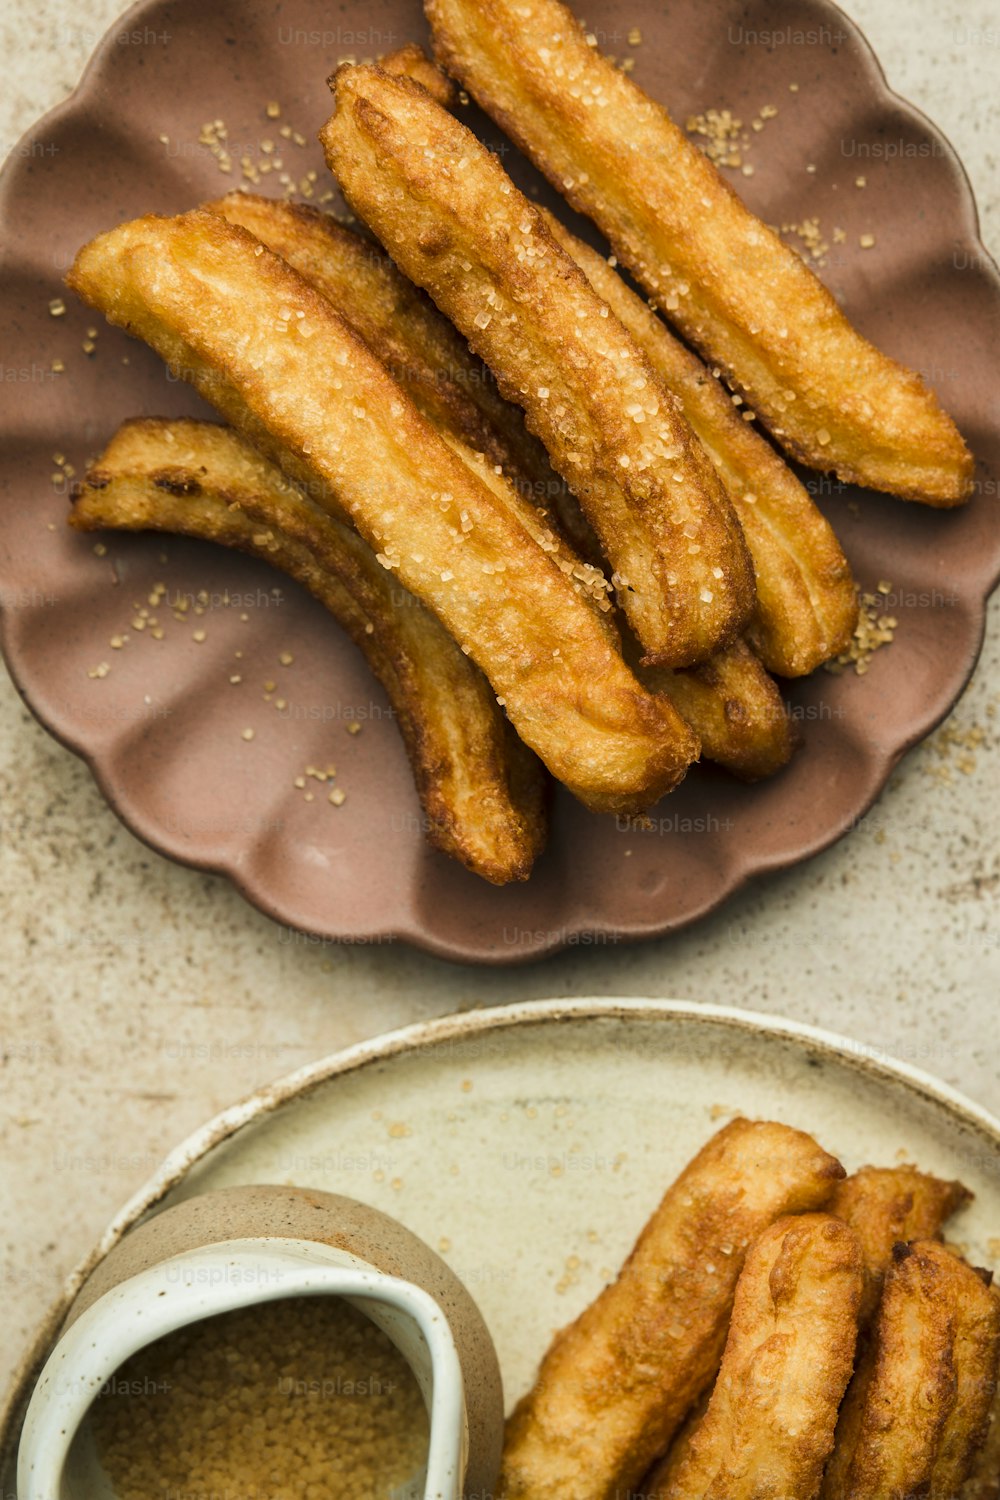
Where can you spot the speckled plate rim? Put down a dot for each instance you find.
(424, 1036)
(144, 827)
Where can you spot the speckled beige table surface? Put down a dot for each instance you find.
(138, 997)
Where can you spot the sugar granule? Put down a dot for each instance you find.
(299, 1396)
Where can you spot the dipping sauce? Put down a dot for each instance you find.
(300, 1399)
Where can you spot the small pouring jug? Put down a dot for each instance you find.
(249, 1245)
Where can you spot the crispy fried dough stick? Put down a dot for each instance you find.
(481, 789)
(729, 701)
(886, 1206)
(615, 1384)
(735, 709)
(919, 1403)
(744, 298)
(399, 323)
(421, 350)
(806, 602)
(452, 219)
(770, 1422)
(807, 606)
(273, 356)
(883, 1206)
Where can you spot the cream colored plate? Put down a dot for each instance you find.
(529, 1144)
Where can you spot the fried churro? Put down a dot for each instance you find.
(882, 1206)
(919, 1403)
(734, 708)
(769, 1425)
(401, 326)
(886, 1206)
(745, 299)
(807, 606)
(421, 350)
(481, 790)
(977, 1364)
(275, 358)
(806, 601)
(616, 1384)
(452, 219)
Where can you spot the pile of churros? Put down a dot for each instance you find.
(780, 1332)
(552, 522)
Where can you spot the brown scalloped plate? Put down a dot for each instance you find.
(162, 729)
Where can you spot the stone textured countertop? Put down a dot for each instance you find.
(138, 998)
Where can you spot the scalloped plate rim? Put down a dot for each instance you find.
(450, 949)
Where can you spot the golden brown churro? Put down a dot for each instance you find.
(482, 791)
(452, 219)
(883, 1206)
(977, 1363)
(920, 1400)
(886, 1206)
(616, 1384)
(274, 357)
(807, 606)
(729, 701)
(734, 708)
(806, 602)
(740, 295)
(421, 350)
(401, 326)
(770, 1421)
